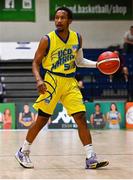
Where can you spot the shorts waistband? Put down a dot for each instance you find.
(62, 75)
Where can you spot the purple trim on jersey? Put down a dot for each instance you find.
(78, 40)
(48, 44)
(65, 41)
(42, 72)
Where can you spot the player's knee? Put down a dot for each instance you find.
(42, 119)
(79, 115)
(80, 119)
(43, 114)
(41, 122)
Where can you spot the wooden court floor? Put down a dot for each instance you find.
(60, 155)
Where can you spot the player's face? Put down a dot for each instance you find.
(113, 107)
(7, 112)
(97, 108)
(61, 20)
(26, 108)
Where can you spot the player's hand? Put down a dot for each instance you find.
(41, 87)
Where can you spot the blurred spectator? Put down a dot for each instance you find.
(97, 119)
(1, 120)
(122, 72)
(113, 117)
(1, 90)
(7, 119)
(26, 118)
(128, 40)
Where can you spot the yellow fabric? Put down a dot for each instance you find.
(61, 89)
(61, 55)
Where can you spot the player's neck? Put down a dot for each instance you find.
(63, 34)
(97, 112)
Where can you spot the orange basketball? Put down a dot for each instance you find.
(108, 62)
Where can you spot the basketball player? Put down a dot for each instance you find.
(114, 117)
(97, 119)
(26, 118)
(58, 53)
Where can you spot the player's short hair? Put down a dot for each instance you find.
(97, 104)
(69, 12)
(131, 26)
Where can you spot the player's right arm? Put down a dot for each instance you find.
(40, 53)
(20, 118)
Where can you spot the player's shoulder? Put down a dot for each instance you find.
(79, 34)
(47, 36)
(79, 39)
(75, 32)
(51, 33)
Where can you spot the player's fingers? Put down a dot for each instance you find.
(42, 89)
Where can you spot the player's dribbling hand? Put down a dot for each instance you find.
(41, 87)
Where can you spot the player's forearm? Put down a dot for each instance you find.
(36, 71)
(82, 62)
(86, 63)
(40, 83)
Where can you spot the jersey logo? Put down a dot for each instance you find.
(75, 48)
(64, 56)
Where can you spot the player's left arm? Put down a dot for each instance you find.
(119, 117)
(104, 117)
(81, 61)
(32, 116)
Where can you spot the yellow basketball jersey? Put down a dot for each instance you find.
(61, 54)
